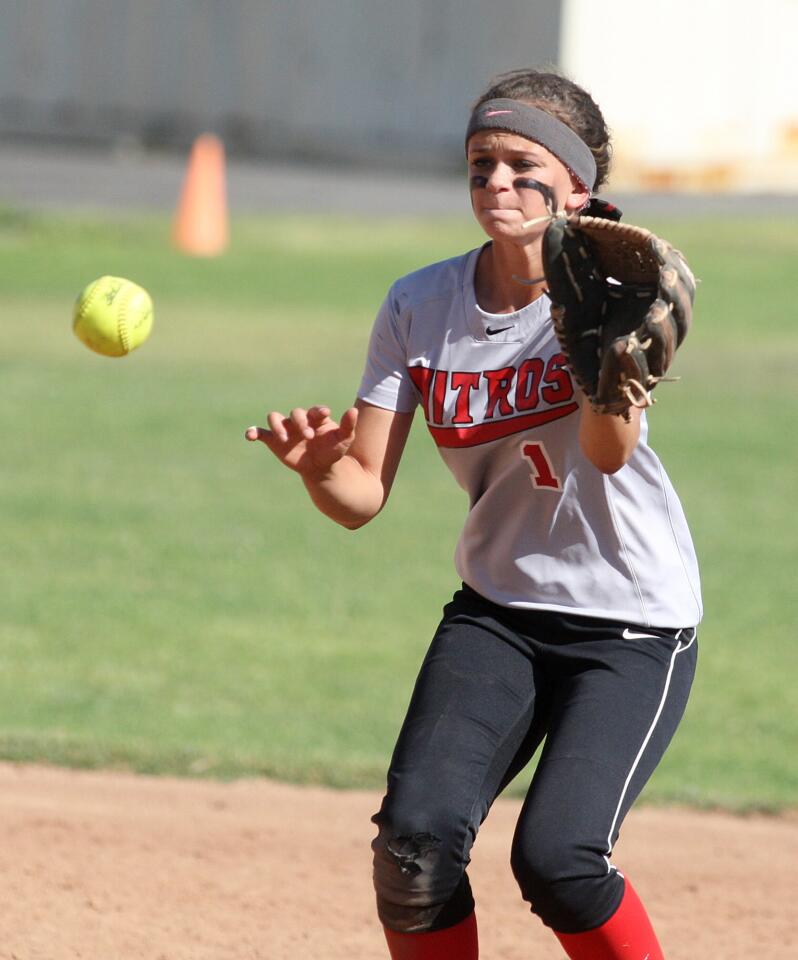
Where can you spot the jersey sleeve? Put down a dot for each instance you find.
(386, 382)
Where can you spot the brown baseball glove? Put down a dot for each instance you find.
(622, 302)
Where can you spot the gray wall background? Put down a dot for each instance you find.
(380, 81)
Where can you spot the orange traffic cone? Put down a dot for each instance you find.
(200, 226)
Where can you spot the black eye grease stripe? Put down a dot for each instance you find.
(526, 183)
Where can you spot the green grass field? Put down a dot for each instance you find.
(170, 601)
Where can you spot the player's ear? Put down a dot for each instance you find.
(578, 196)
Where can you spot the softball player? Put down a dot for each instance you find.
(575, 623)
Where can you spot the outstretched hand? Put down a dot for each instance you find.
(307, 441)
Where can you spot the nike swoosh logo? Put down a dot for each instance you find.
(631, 635)
(491, 330)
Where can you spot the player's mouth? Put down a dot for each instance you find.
(496, 210)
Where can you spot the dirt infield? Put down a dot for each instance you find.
(104, 866)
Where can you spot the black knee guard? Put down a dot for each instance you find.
(419, 877)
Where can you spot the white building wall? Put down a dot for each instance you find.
(700, 94)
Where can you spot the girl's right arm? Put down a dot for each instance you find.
(348, 468)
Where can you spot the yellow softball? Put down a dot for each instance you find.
(112, 316)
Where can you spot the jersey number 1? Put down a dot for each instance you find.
(543, 474)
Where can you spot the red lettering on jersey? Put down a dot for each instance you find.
(559, 387)
(527, 386)
(543, 474)
(497, 429)
(511, 405)
(438, 395)
(499, 383)
(422, 378)
(464, 383)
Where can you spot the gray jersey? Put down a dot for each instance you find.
(545, 529)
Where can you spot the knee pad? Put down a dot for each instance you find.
(419, 879)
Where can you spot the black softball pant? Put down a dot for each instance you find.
(606, 696)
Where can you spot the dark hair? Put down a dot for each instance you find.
(563, 99)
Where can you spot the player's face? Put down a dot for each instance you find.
(512, 179)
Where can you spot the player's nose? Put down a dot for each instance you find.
(500, 178)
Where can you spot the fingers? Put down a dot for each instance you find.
(318, 416)
(296, 425)
(299, 418)
(256, 433)
(276, 435)
(278, 425)
(346, 428)
(300, 424)
(278, 432)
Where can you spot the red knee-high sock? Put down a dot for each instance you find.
(627, 935)
(454, 943)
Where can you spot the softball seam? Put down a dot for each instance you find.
(121, 323)
(88, 301)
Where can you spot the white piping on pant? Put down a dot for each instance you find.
(679, 649)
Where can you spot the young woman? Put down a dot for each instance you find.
(575, 623)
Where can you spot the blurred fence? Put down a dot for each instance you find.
(347, 79)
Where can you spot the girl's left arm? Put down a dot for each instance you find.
(606, 439)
